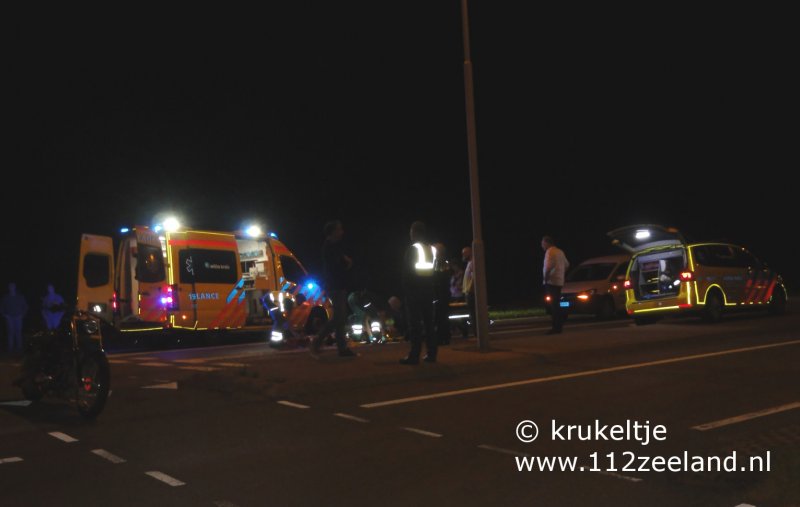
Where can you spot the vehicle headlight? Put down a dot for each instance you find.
(90, 327)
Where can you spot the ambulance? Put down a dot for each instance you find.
(195, 280)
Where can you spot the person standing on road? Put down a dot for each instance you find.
(553, 271)
(52, 308)
(417, 278)
(335, 273)
(442, 273)
(469, 288)
(14, 307)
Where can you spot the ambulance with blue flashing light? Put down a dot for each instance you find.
(668, 275)
(184, 279)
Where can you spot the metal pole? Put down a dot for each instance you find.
(478, 261)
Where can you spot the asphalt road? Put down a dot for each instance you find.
(244, 424)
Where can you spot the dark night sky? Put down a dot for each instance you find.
(308, 113)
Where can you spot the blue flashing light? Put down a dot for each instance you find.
(124, 230)
(273, 235)
(310, 285)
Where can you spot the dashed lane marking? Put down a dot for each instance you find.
(351, 417)
(20, 403)
(14, 459)
(63, 437)
(291, 404)
(168, 385)
(108, 456)
(160, 476)
(423, 432)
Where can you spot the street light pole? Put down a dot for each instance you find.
(478, 260)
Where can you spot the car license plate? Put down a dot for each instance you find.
(564, 304)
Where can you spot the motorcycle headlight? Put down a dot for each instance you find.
(90, 327)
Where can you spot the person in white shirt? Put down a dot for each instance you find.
(469, 289)
(555, 267)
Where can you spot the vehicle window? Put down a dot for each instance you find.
(721, 256)
(622, 270)
(96, 269)
(587, 272)
(292, 270)
(745, 259)
(207, 266)
(150, 265)
(701, 255)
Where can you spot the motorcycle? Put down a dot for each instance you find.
(68, 363)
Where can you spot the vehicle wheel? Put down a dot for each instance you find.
(777, 303)
(606, 311)
(645, 321)
(712, 312)
(94, 384)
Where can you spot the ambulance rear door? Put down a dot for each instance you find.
(96, 276)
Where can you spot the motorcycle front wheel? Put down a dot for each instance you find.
(94, 382)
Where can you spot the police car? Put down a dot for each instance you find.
(668, 275)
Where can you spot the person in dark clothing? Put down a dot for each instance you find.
(336, 265)
(417, 279)
(14, 307)
(441, 297)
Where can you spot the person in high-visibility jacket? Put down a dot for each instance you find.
(418, 280)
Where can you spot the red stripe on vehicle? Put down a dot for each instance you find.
(770, 290)
(223, 315)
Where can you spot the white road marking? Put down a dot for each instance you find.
(576, 375)
(107, 455)
(745, 505)
(290, 404)
(168, 385)
(62, 436)
(231, 365)
(118, 361)
(746, 417)
(156, 364)
(172, 481)
(191, 361)
(21, 403)
(351, 417)
(14, 459)
(423, 432)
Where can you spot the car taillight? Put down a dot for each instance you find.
(627, 284)
(687, 276)
(114, 303)
(548, 299)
